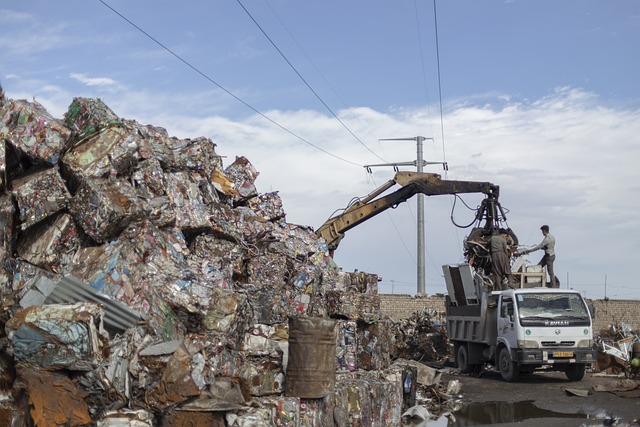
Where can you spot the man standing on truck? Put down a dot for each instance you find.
(548, 244)
(500, 265)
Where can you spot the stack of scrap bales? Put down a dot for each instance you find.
(144, 283)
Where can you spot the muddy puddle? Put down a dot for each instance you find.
(486, 413)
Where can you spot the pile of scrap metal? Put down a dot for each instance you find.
(144, 284)
(422, 337)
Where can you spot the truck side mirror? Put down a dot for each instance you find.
(592, 311)
(510, 310)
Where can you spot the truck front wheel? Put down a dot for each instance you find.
(575, 371)
(462, 359)
(508, 368)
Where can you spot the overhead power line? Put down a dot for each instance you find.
(194, 68)
(306, 83)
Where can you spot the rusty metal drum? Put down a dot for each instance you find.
(311, 367)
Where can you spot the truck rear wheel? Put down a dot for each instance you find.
(575, 371)
(508, 368)
(462, 359)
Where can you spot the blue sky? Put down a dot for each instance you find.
(539, 97)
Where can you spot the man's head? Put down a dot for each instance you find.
(545, 229)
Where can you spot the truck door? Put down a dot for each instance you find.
(506, 321)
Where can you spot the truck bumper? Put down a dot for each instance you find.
(555, 356)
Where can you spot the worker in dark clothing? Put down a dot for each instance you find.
(549, 245)
(500, 265)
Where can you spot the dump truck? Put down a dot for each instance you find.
(517, 330)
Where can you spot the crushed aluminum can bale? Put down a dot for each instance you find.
(268, 303)
(367, 398)
(105, 208)
(227, 312)
(153, 143)
(346, 345)
(353, 306)
(262, 376)
(52, 243)
(126, 418)
(54, 399)
(58, 336)
(243, 175)
(110, 152)
(39, 196)
(28, 127)
(373, 345)
(7, 222)
(268, 206)
(191, 212)
(197, 154)
(89, 115)
(267, 270)
(149, 183)
(298, 412)
(266, 340)
(216, 260)
(227, 223)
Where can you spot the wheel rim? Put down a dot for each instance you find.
(505, 362)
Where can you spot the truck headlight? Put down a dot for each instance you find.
(585, 343)
(527, 344)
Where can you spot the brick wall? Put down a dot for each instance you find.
(610, 312)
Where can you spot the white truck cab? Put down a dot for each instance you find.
(517, 330)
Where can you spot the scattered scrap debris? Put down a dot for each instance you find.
(144, 284)
(422, 337)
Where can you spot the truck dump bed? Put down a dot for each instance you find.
(471, 313)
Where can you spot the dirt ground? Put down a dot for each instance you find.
(542, 399)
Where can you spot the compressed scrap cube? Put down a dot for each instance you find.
(111, 152)
(354, 306)
(50, 244)
(39, 196)
(31, 129)
(196, 154)
(268, 206)
(104, 208)
(7, 221)
(88, 115)
(188, 203)
(243, 175)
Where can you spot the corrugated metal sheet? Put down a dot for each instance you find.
(116, 315)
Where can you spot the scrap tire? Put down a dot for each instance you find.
(462, 359)
(575, 371)
(508, 368)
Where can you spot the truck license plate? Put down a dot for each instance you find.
(563, 354)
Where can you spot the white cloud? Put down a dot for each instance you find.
(93, 81)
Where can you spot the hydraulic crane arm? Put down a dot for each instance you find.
(411, 183)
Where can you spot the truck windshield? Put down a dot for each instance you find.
(552, 309)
